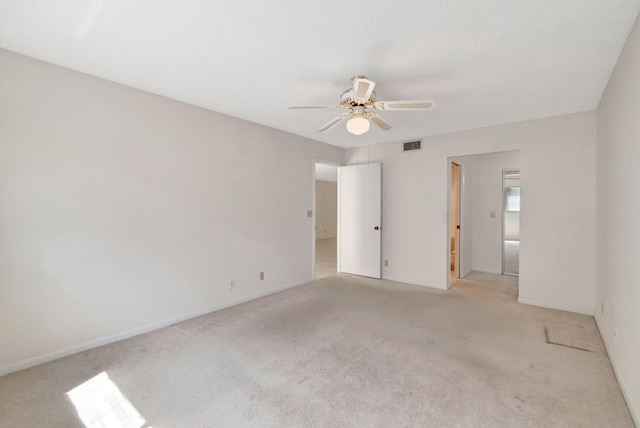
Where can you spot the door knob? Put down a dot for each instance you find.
(376, 228)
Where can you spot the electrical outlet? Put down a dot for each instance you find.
(386, 263)
(232, 284)
(261, 276)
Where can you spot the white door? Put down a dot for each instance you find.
(359, 227)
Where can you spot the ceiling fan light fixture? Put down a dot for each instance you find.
(358, 125)
(360, 101)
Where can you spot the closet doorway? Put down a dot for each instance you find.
(454, 221)
(511, 222)
(326, 214)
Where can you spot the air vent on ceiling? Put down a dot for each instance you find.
(412, 145)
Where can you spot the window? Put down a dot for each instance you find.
(512, 199)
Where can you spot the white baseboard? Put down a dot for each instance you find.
(635, 416)
(412, 282)
(320, 238)
(494, 272)
(50, 356)
(585, 311)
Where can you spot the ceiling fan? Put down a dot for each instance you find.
(358, 100)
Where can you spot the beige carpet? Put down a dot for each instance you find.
(326, 258)
(482, 278)
(341, 352)
(512, 257)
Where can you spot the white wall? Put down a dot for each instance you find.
(557, 253)
(326, 209)
(121, 211)
(466, 215)
(618, 228)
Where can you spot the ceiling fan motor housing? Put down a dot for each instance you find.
(361, 97)
(347, 100)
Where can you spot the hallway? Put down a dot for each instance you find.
(326, 257)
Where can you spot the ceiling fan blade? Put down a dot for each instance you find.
(362, 89)
(407, 105)
(300, 107)
(334, 122)
(383, 124)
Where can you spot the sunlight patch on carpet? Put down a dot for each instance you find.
(100, 403)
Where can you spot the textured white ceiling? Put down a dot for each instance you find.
(485, 62)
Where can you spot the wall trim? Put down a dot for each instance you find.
(147, 328)
(413, 282)
(625, 395)
(494, 272)
(326, 237)
(532, 302)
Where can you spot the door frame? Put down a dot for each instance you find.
(458, 256)
(504, 207)
(315, 161)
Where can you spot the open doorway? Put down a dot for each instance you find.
(454, 221)
(477, 205)
(511, 222)
(326, 219)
